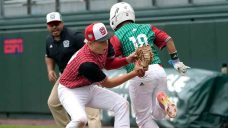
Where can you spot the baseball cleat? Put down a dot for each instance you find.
(166, 104)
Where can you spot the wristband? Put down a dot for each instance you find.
(174, 56)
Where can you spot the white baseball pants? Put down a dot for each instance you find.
(74, 101)
(143, 96)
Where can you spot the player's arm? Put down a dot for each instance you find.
(162, 39)
(50, 69)
(175, 61)
(113, 82)
(98, 76)
(116, 45)
(171, 46)
(50, 63)
(114, 62)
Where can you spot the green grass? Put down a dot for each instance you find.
(22, 126)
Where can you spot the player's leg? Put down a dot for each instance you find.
(58, 112)
(109, 100)
(93, 115)
(74, 101)
(141, 101)
(162, 105)
(141, 92)
(165, 103)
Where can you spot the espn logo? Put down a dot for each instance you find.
(13, 46)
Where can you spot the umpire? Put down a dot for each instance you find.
(61, 44)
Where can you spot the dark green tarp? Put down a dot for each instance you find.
(201, 97)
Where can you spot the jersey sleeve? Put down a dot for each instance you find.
(111, 51)
(92, 72)
(161, 37)
(116, 45)
(47, 54)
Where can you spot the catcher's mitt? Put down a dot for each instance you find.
(144, 55)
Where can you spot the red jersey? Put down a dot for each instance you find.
(71, 77)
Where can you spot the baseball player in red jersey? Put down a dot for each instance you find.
(148, 93)
(79, 83)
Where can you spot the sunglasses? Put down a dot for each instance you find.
(54, 23)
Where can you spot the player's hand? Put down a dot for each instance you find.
(131, 58)
(139, 69)
(52, 76)
(179, 66)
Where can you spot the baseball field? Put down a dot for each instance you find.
(29, 126)
(30, 123)
(23, 126)
(26, 123)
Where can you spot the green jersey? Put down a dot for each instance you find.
(133, 35)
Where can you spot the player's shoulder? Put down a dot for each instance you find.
(114, 39)
(71, 32)
(68, 31)
(146, 25)
(49, 39)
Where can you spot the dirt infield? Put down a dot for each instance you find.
(39, 122)
(35, 122)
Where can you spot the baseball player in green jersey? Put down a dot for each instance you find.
(148, 94)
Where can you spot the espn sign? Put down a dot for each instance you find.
(13, 46)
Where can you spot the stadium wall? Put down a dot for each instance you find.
(199, 32)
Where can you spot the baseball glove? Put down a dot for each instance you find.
(144, 56)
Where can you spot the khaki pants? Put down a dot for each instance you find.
(62, 118)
